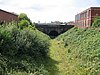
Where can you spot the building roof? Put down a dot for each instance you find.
(88, 9)
(9, 12)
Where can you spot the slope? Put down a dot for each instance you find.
(82, 51)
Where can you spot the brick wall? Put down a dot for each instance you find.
(7, 16)
(85, 18)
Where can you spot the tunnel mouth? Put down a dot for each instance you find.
(53, 34)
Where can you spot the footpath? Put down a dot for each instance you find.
(58, 54)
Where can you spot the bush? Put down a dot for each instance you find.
(96, 22)
(23, 16)
(23, 23)
(22, 47)
(3, 65)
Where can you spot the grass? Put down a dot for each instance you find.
(82, 51)
(58, 53)
(76, 52)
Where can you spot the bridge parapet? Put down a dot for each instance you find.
(53, 29)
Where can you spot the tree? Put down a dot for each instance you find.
(24, 21)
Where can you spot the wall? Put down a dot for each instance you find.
(47, 29)
(7, 16)
(85, 18)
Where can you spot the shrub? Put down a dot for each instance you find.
(3, 65)
(96, 22)
(23, 23)
(23, 16)
(19, 45)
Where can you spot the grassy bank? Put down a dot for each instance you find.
(82, 51)
(76, 52)
(30, 52)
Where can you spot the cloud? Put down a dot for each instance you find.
(48, 10)
(1, 2)
(84, 3)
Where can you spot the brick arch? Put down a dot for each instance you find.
(53, 33)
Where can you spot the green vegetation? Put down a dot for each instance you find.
(23, 16)
(96, 22)
(22, 50)
(24, 21)
(58, 53)
(82, 51)
(26, 51)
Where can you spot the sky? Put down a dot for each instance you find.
(48, 10)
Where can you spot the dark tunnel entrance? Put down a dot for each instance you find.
(53, 34)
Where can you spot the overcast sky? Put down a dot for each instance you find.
(48, 10)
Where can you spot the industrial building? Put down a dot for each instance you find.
(7, 17)
(85, 18)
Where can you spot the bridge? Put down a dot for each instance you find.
(52, 29)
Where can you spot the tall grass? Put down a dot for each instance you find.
(83, 51)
